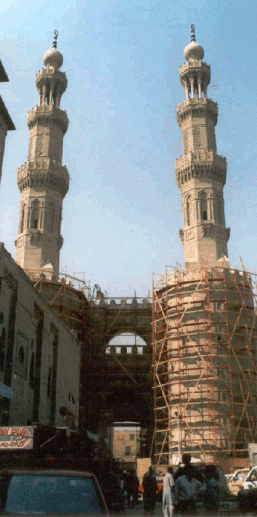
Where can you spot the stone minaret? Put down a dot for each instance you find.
(200, 172)
(43, 180)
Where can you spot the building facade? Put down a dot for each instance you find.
(39, 355)
(126, 444)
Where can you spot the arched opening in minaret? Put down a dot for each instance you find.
(204, 213)
(55, 95)
(47, 94)
(35, 214)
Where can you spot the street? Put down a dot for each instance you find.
(138, 510)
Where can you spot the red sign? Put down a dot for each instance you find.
(16, 437)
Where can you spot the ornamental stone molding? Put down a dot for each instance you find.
(201, 163)
(43, 173)
(45, 115)
(196, 107)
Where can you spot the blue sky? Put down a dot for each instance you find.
(122, 214)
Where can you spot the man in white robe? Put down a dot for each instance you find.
(168, 483)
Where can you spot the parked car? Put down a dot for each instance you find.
(235, 483)
(250, 480)
(62, 492)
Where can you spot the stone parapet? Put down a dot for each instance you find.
(200, 164)
(197, 106)
(50, 74)
(48, 115)
(195, 66)
(43, 173)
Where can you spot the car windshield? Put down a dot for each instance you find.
(40, 494)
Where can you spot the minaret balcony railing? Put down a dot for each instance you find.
(200, 164)
(44, 173)
(50, 114)
(196, 66)
(48, 73)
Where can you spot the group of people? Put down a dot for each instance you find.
(182, 488)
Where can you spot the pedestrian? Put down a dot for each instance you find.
(168, 484)
(132, 485)
(211, 499)
(150, 491)
(186, 464)
(186, 490)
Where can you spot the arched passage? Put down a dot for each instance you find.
(127, 343)
(120, 374)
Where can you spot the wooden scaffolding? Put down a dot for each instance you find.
(204, 363)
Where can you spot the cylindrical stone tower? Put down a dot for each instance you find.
(43, 181)
(200, 172)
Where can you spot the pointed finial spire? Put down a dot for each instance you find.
(192, 32)
(55, 39)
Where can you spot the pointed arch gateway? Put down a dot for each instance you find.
(121, 373)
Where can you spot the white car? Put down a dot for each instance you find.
(235, 482)
(250, 480)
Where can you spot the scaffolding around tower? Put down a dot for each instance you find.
(204, 363)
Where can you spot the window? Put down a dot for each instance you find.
(204, 215)
(132, 436)
(127, 449)
(35, 214)
(30, 494)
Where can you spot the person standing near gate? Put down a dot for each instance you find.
(150, 491)
(168, 484)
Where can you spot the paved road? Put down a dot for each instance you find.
(138, 511)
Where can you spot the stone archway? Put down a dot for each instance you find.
(121, 381)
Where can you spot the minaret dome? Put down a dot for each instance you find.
(53, 58)
(193, 51)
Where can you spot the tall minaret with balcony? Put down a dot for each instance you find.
(200, 172)
(43, 181)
